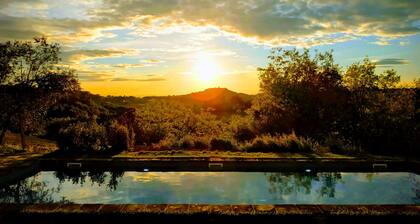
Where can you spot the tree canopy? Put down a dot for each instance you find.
(30, 81)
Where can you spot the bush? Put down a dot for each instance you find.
(339, 145)
(82, 136)
(280, 143)
(243, 133)
(186, 142)
(221, 144)
(201, 144)
(168, 143)
(118, 136)
(147, 134)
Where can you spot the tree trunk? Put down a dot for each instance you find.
(2, 135)
(3, 131)
(22, 131)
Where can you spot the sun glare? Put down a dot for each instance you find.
(206, 68)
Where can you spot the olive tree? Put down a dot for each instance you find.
(30, 82)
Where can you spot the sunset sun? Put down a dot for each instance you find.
(206, 67)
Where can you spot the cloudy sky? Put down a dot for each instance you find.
(166, 47)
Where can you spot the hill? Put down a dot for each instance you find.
(219, 101)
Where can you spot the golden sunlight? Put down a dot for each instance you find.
(206, 68)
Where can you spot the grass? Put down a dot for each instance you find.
(39, 145)
(34, 144)
(227, 154)
(281, 143)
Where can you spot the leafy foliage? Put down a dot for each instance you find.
(311, 96)
(30, 82)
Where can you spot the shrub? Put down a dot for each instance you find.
(243, 133)
(280, 143)
(168, 143)
(186, 142)
(339, 145)
(118, 136)
(82, 136)
(150, 133)
(221, 144)
(201, 144)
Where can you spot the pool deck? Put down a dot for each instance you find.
(209, 161)
(13, 167)
(183, 213)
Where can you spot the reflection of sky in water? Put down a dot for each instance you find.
(236, 188)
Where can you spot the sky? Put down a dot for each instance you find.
(171, 47)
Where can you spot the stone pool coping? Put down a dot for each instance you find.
(233, 164)
(27, 165)
(17, 166)
(18, 212)
(229, 210)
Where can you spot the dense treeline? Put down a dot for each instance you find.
(306, 103)
(351, 109)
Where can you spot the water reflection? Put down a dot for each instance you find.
(29, 191)
(94, 177)
(214, 188)
(285, 184)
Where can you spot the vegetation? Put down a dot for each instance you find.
(30, 81)
(313, 97)
(306, 104)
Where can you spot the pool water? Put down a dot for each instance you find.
(214, 188)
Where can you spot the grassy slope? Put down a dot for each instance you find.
(12, 144)
(38, 145)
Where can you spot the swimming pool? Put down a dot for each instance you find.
(214, 188)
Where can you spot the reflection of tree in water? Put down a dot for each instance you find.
(29, 190)
(94, 177)
(283, 184)
(34, 190)
(415, 186)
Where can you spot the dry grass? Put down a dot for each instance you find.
(35, 145)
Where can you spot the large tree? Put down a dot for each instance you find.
(30, 82)
(313, 97)
(382, 115)
(299, 93)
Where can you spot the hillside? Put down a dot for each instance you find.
(220, 101)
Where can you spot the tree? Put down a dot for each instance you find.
(31, 81)
(382, 115)
(299, 92)
(311, 96)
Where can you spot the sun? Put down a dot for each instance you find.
(206, 68)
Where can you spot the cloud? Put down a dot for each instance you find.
(391, 61)
(287, 22)
(151, 61)
(382, 41)
(277, 22)
(124, 66)
(139, 80)
(85, 75)
(404, 43)
(75, 56)
(63, 30)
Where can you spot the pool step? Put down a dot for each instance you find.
(379, 166)
(215, 166)
(74, 165)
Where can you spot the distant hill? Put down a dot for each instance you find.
(220, 101)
